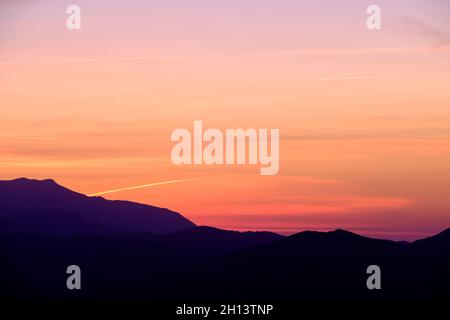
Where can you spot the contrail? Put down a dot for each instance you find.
(342, 78)
(442, 49)
(141, 186)
(122, 59)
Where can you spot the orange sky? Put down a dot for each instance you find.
(364, 116)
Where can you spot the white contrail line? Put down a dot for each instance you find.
(140, 186)
(274, 53)
(358, 51)
(343, 78)
(124, 59)
(358, 78)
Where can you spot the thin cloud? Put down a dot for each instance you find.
(438, 49)
(439, 38)
(82, 60)
(325, 52)
(320, 79)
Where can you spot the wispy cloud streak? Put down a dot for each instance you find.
(319, 79)
(437, 49)
(101, 59)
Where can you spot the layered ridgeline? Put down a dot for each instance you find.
(44, 207)
(129, 250)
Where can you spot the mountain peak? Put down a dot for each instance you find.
(338, 231)
(342, 232)
(441, 236)
(46, 205)
(24, 180)
(35, 187)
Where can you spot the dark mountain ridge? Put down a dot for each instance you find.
(129, 250)
(45, 207)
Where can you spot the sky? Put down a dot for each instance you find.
(364, 115)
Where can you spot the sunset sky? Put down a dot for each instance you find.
(364, 116)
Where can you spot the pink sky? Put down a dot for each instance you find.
(364, 116)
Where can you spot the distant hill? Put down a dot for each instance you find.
(208, 263)
(311, 265)
(129, 250)
(44, 207)
(213, 241)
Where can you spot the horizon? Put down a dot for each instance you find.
(243, 230)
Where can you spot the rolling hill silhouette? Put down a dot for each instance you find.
(214, 241)
(128, 250)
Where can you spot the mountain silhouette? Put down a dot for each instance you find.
(215, 242)
(209, 263)
(311, 265)
(128, 250)
(440, 241)
(44, 207)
